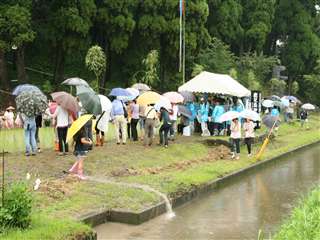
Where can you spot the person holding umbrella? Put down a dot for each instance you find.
(29, 125)
(77, 132)
(248, 128)
(165, 127)
(303, 117)
(235, 136)
(119, 119)
(62, 122)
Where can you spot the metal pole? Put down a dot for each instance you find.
(184, 46)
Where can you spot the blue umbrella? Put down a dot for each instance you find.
(25, 88)
(120, 92)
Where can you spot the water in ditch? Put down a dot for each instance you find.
(260, 200)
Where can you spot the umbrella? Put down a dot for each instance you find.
(229, 116)
(149, 97)
(83, 89)
(249, 114)
(163, 103)
(75, 81)
(134, 92)
(116, 92)
(292, 98)
(188, 96)
(279, 104)
(24, 88)
(275, 98)
(267, 103)
(106, 104)
(66, 101)
(31, 103)
(174, 97)
(269, 121)
(141, 87)
(183, 110)
(77, 125)
(90, 102)
(285, 102)
(308, 106)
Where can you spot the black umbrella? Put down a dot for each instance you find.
(270, 120)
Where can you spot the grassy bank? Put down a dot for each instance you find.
(304, 222)
(187, 163)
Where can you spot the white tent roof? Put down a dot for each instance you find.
(207, 82)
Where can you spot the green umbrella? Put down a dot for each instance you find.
(31, 103)
(90, 102)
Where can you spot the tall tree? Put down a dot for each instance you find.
(294, 26)
(16, 32)
(115, 25)
(65, 25)
(257, 20)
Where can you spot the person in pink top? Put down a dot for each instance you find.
(248, 128)
(9, 117)
(235, 136)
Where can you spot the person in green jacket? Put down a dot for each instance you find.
(165, 127)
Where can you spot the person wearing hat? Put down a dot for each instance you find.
(9, 117)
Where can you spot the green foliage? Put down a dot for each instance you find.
(16, 209)
(15, 26)
(96, 62)
(216, 57)
(311, 85)
(276, 87)
(304, 222)
(258, 64)
(197, 69)
(151, 64)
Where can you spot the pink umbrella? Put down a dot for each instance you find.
(174, 97)
(229, 116)
(66, 101)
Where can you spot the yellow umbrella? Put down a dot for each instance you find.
(149, 97)
(77, 125)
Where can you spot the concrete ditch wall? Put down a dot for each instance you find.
(121, 216)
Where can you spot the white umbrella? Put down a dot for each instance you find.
(106, 104)
(267, 103)
(308, 106)
(75, 82)
(229, 116)
(134, 92)
(285, 102)
(163, 102)
(252, 115)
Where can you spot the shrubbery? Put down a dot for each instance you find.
(16, 209)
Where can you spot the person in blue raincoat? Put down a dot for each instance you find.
(216, 113)
(193, 110)
(275, 112)
(203, 113)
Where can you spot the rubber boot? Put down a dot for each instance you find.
(56, 146)
(101, 141)
(98, 141)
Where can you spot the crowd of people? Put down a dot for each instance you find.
(127, 117)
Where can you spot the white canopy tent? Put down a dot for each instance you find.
(207, 82)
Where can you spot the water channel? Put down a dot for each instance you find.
(260, 200)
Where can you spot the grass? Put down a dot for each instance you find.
(186, 164)
(44, 227)
(304, 222)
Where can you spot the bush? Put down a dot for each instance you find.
(16, 209)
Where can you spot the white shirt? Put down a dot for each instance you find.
(62, 116)
(174, 115)
(235, 130)
(248, 128)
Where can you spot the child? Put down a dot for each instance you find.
(80, 151)
(235, 137)
(248, 128)
(303, 117)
